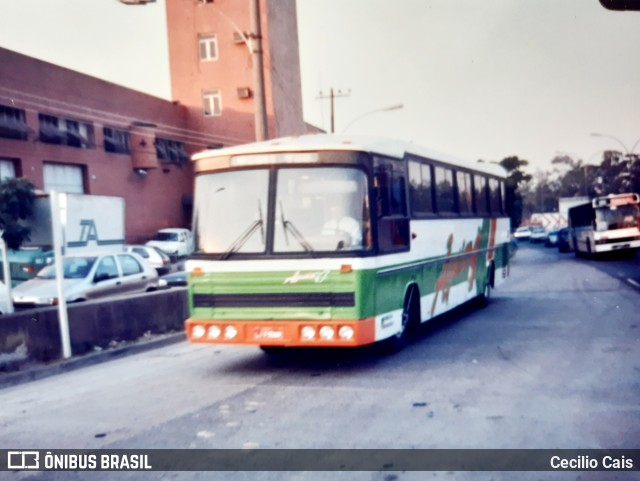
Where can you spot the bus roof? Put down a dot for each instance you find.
(370, 144)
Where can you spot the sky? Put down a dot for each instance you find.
(478, 80)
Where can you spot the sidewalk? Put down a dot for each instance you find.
(33, 371)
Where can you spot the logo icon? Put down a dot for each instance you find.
(23, 460)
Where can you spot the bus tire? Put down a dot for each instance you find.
(590, 254)
(410, 321)
(487, 287)
(273, 350)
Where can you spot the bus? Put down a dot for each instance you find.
(607, 223)
(277, 265)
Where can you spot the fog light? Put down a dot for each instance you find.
(214, 332)
(197, 331)
(230, 332)
(326, 332)
(307, 333)
(346, 333)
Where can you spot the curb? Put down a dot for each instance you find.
(61, 366)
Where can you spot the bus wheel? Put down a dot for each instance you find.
(410, 321)
(273, 350)
(589, 251)
(486, 289)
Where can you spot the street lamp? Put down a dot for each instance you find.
(383, 109)
(626, 151)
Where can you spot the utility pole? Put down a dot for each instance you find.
(260, 114)
(332, 96)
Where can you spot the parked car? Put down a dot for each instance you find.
(88, 277)
(154, 256)
(4, 298)
(563, 240)
(176, 242)
(175, 279)
(538, 234)
(522, 233)
(552, 238)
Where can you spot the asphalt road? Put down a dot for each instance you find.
(552, 362)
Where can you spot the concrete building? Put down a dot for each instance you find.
(211, 59)
(71, 132)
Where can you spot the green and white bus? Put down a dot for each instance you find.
(335, 240)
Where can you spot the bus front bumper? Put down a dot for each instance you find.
(289, 333)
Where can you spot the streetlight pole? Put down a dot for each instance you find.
(626, 151)
(383, 109)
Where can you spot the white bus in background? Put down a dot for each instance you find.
(608, 223)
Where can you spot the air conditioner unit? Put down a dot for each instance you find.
(237, 38)
(244, 93)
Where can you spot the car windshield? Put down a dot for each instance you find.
(165, 236)
(73, 268)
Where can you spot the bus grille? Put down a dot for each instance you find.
(310, 299)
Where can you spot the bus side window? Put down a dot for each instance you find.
(481, 198)
(393, 223)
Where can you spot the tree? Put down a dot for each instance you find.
(516, 179)
(16, 204)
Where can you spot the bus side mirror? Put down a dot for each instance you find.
(621, 4)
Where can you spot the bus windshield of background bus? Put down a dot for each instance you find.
(621, 217)
(321, 209)
(317, 209)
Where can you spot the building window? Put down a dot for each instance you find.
(208, 47)
(212, 103)
(171, 151)
(12, 123)
(116, 140)
(61, 131)
(7, 169)
(63, 178)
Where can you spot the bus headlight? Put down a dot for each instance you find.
(214, 332)
(230, 332)
(197, 332)
(326, 332)
(346, 333)
(307, 333)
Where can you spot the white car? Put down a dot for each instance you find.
(88, 277)
(176, 242)
(538, 234)
(154, 256)
(4, 298)
(522, 233)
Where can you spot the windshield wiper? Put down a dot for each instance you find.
(246, 235)
(287, 225)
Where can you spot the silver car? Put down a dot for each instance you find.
(88, 277)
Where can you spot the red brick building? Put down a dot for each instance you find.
(71, 132)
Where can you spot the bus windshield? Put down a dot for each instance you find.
(620, 217)
(316, 209)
